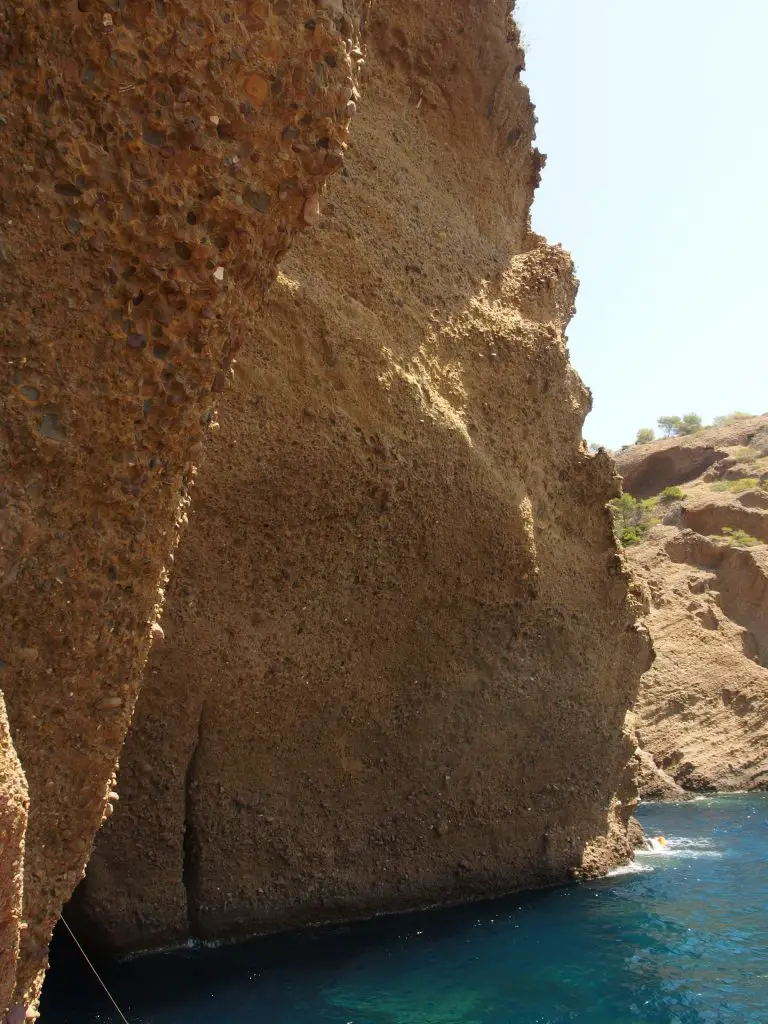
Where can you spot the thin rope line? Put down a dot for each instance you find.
(98, 976)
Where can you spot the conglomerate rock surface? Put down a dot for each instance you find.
(703, 707)
(156, 159)
(399, 646)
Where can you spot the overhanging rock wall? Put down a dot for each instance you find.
(156, 159)
(399, 646)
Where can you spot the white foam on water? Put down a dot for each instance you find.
(633, 868)
(689, 844)
(682, 849)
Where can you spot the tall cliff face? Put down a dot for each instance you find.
(399, 647)
(155, 161)
(703, 707)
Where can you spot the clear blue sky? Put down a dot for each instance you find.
(654, 119)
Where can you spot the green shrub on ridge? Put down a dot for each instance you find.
(744, 483)
(632, 519)
(673, 493)
(736, 538)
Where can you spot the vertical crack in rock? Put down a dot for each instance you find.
(192, 841)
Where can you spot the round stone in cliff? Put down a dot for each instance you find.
(259, 201)
(257, 89)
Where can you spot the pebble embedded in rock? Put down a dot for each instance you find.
(110, 703)
(257, 89)
(51, 428)
(259, 201)
(26, 654)
(311, 210)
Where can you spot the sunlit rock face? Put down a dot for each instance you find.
(399, 646)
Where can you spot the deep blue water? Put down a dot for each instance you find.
(682, 940)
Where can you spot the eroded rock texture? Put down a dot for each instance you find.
(157, 159)
(13, 823)
(398, 647)
(703, 707)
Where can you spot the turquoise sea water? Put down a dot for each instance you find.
(680, 939)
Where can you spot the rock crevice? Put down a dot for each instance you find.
(191, 842)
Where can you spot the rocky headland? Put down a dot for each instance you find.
(702, 714)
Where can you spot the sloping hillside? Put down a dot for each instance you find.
(703, 707)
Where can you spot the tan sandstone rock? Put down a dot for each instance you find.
(399, 647)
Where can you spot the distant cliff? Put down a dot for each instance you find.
(399, 647)
(703, 708)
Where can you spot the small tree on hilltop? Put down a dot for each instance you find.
(676, 426)
(670, 425)
(690, 424)
(645, 435)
